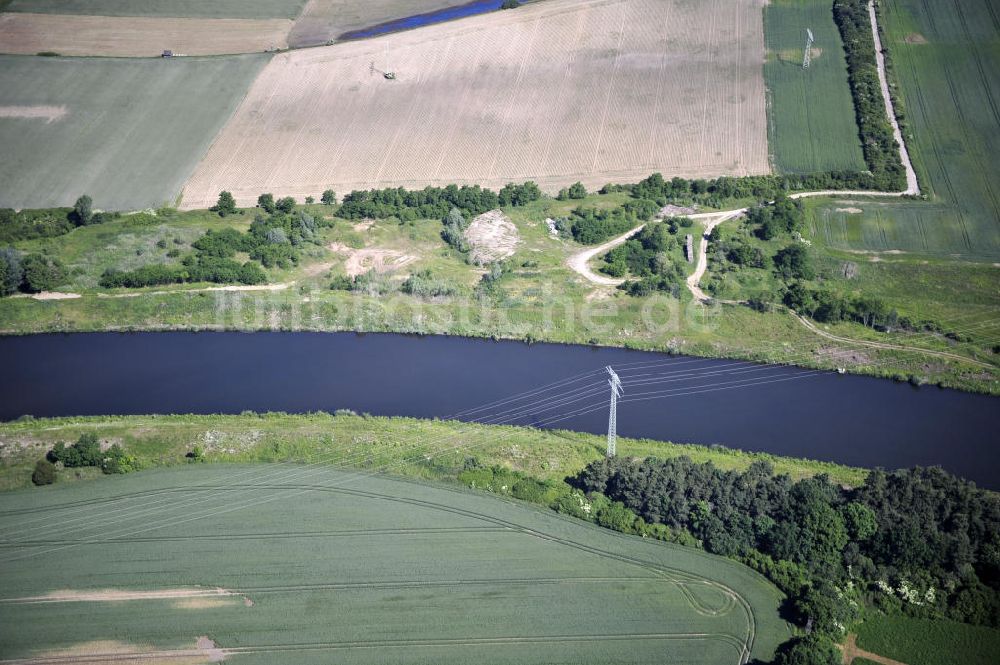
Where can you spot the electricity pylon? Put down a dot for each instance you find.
(616, 392)
(807, 54)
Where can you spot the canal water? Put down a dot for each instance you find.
(782, 410)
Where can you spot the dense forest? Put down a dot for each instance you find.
(919, 541)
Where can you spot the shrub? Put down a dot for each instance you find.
(44, 473)
(329, 197)
(226, 205)
(83, 210)
(11, 270)
(266, 201)
(42, 273)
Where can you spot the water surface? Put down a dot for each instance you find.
(783, 410)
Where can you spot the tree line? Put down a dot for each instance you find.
(433, 202)
(920, 541)
(878, 144)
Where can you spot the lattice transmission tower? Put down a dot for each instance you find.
(616, 392)
(807, 54)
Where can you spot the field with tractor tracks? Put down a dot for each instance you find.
(300, 563)
(126, 132)
(562, 91)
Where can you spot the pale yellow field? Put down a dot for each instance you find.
(591, 90)
(133, 36)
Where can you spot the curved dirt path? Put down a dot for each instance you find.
(580, 262)
(694, 279)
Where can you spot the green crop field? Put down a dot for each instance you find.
(251, 9)
(946, 56)
(811, 124)
(127, 132)
(325, 565)
(929, 641)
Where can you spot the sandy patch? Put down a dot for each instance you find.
(363, 225)
(492, 236)
(203, 650)
(200, 603)
(675, 211)
(599, 92)
(54, 295)
(134, 36)
(850, 211)
(47, 113)
(252, 287)
(360, 261)
(123, 595)
(915, 38)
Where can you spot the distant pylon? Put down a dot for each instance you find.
(616, 392)
(807, 55)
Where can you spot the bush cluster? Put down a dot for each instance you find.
(87, 452)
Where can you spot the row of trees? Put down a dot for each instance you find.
(877, 141)
(918, 540)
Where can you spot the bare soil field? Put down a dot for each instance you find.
(131, 36)
(324, 20)
(596, 90)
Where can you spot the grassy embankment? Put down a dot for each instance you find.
(420, 448)
(540, 298)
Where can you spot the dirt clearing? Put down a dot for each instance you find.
(46, 113)
(561, 91)
(492, 236)
(360, 261)
(133, 36)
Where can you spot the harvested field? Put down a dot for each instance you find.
(255, 9)
(324, 20)
(492, 236)
(595, 91)
(127, 36)
(367, 572)
(127, 132)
